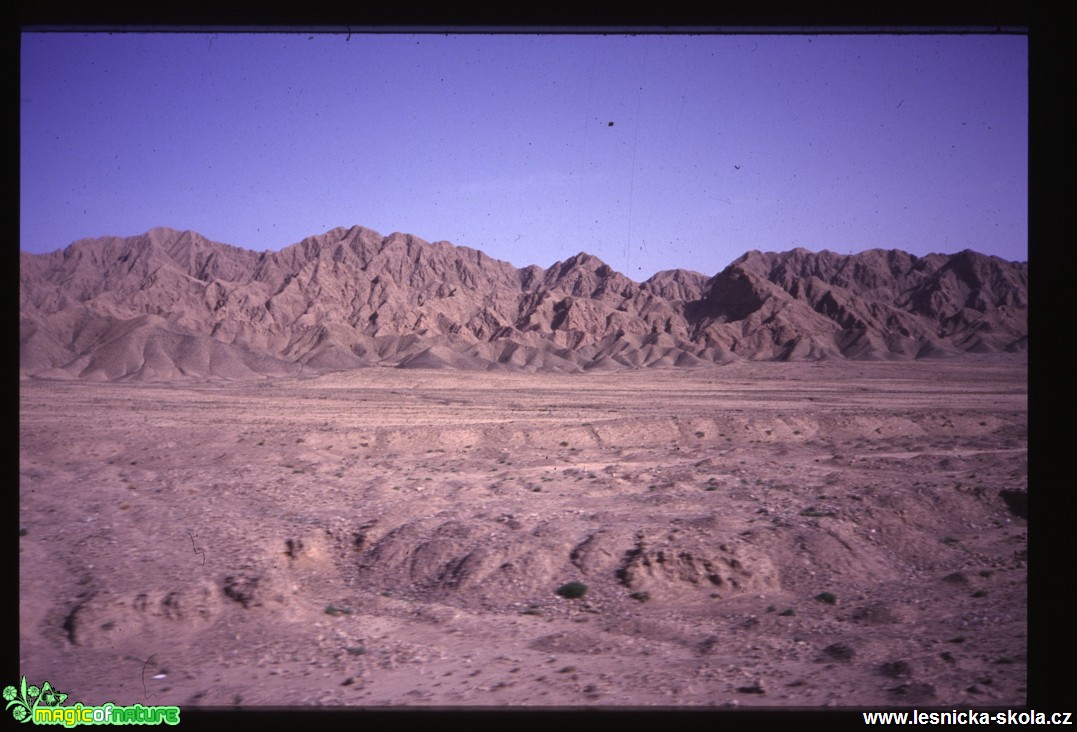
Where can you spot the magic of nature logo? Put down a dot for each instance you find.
(45, 705)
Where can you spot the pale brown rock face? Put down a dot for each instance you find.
(172, 305)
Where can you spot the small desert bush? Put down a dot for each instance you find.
(572, 590)
(812, 511)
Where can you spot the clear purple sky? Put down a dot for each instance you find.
(719, 143)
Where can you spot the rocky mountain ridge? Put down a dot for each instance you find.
(169, 305)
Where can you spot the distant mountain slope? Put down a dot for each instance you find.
(170, 305)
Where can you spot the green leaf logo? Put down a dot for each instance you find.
(26, 699)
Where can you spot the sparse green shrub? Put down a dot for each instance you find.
(572, 590)
(828, 597)
(788, 612)
(839, 652)
(641, 596)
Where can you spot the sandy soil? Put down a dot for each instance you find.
(769, 534)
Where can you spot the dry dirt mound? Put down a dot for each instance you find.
(503, 562)
(773, 534)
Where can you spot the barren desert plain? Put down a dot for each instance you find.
(802, 534)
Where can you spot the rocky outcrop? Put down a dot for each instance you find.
(171, 305)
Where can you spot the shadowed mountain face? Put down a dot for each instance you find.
(172, 305)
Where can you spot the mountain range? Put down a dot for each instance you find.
(172, 305)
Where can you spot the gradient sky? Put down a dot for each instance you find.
(718, 144)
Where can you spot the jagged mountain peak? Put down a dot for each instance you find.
(125, 308)
(677, 284)
(580, 261)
